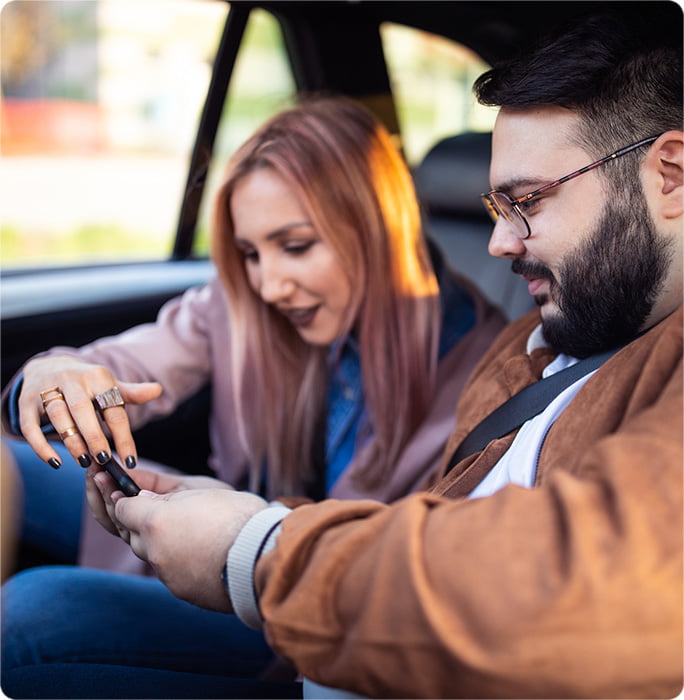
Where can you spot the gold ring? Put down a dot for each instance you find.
(45, 396)
(109, 399)
(68, 432)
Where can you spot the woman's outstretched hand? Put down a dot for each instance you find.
(64, 390)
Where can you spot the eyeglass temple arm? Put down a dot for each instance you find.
(586, 168)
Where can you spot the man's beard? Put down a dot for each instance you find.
(609, 283)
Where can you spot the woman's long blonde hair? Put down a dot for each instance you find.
(357, 190)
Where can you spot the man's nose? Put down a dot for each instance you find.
(503, 243)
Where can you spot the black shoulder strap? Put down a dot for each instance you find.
(524, 405)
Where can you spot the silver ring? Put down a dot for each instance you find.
(109, 399)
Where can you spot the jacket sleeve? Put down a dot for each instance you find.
(175, 351)
(570, 589)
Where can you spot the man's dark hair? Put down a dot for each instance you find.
(620, 71)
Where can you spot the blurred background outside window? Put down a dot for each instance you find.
(101, 99)
(432, 81)
(100, 103)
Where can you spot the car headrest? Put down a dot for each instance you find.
(454, 173)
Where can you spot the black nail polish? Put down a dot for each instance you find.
(130, 462)
(102, 457)
(84, 460)
(54, 463)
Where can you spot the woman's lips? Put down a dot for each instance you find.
(300, 318)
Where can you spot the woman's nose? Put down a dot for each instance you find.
(275, 284)
(504, 243)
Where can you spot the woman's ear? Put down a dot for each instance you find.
(664, 173)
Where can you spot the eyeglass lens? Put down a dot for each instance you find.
(498, 204)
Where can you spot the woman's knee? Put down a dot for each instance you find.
(49, 613)
(26, 606)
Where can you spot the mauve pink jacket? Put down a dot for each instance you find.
(189, 346)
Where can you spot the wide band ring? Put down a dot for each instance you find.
(109, 399)
(73, 430)
(51, 395)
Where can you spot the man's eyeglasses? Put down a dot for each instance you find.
(500, 204)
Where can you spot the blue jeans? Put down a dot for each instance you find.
(71, 632)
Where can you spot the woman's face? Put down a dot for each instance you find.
(288, 265)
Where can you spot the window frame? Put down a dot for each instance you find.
(203, 148)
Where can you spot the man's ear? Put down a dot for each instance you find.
(664, 173)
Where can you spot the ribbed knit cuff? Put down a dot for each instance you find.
(256, 538)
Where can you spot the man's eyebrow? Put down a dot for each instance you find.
(521, 185)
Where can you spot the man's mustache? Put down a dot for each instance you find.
(531, 269)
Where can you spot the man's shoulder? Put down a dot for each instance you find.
(667, 335)
(649, 363)
(674, 320)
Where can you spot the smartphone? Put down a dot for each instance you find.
(123, 480)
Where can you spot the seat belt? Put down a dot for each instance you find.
(526, 404)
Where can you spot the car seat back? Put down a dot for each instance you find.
(449, 182)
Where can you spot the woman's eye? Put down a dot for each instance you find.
(298, 248)
(249, 255)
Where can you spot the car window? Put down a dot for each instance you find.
(262, 84)
(100, 106)
(432, 79)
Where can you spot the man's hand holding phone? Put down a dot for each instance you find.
(182, 526)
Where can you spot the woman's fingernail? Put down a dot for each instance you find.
(102, 457)
(130, 462)
(54, 463)
(84, 460)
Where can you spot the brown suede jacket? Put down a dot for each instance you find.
(570, 589)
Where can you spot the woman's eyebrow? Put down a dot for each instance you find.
(277, 233)
(286, 228)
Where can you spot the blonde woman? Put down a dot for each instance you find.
(335, 339)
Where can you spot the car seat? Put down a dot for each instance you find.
(449, 182)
